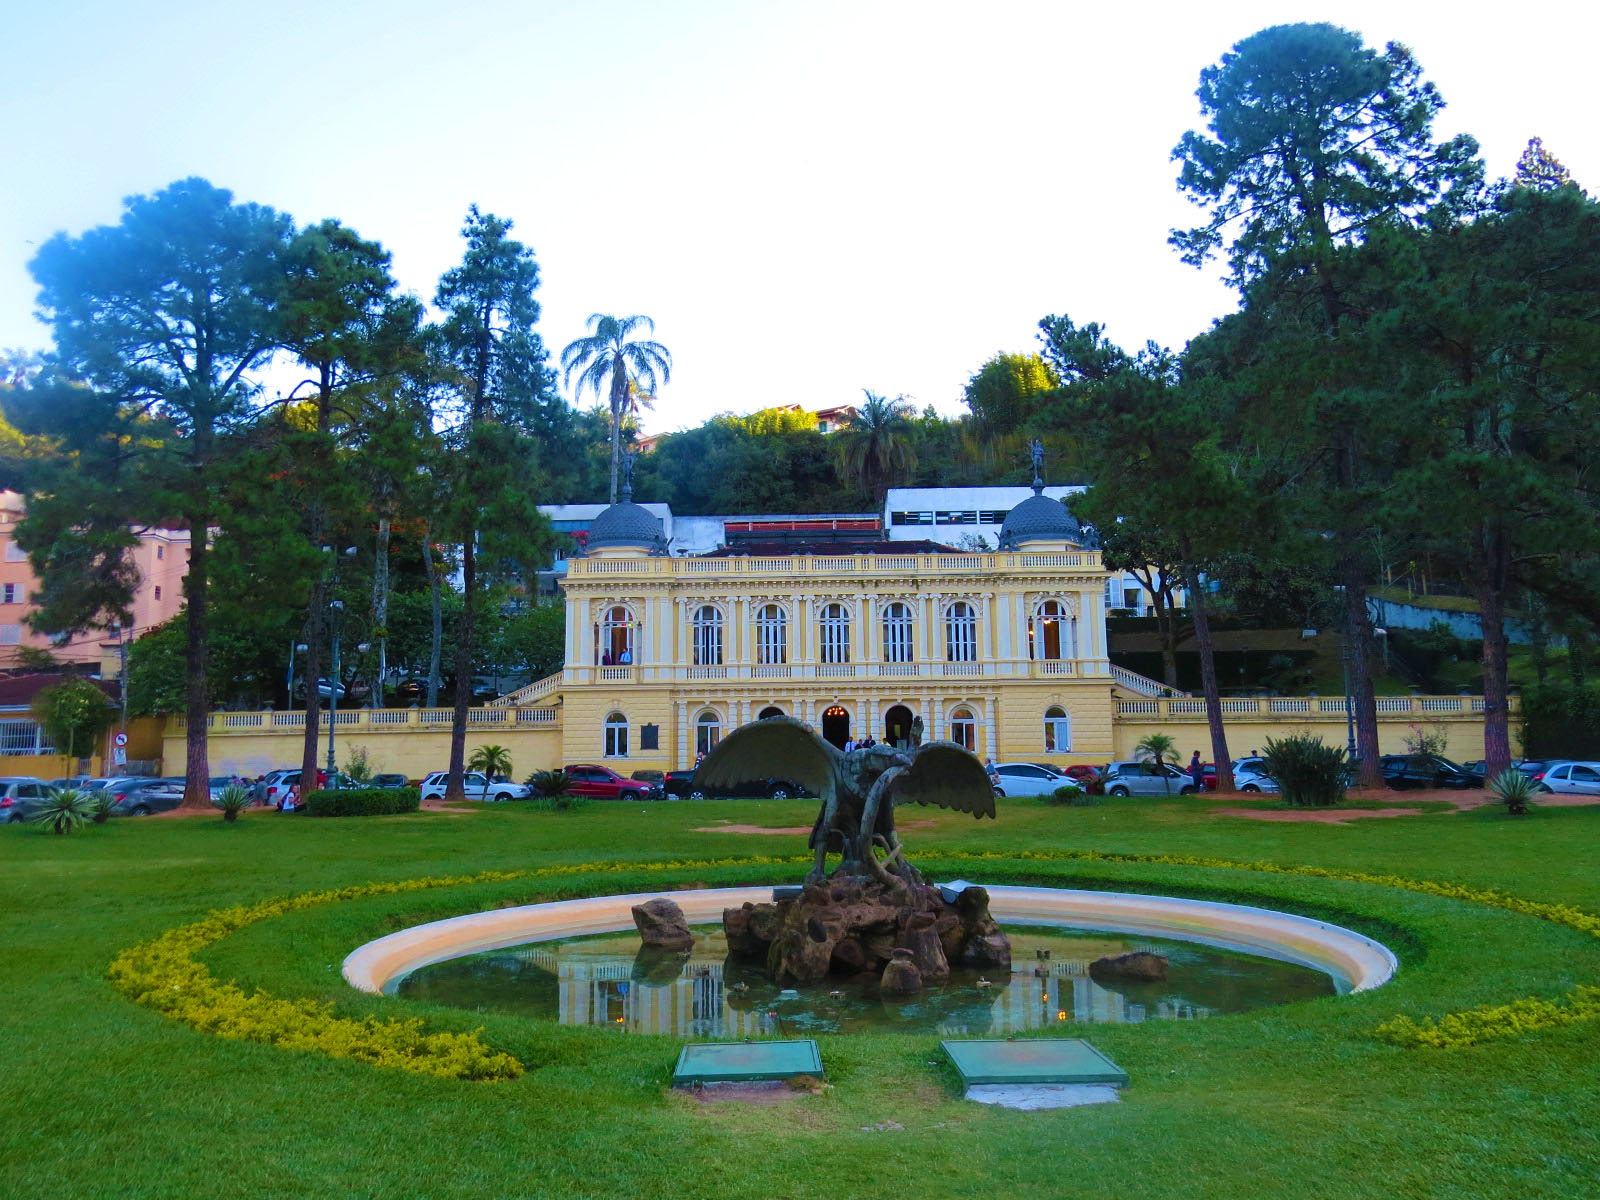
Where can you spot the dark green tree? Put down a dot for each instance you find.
(1489, 330)
(1539, 169)
(165, 317)
(488, 339)
(1314, 140)
(344, 325)
(1154, 447)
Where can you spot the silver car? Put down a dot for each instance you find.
(21, 796)
(1568, 777)
(1142, 779)
(1251, 775)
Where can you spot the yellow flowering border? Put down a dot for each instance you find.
(162, 974)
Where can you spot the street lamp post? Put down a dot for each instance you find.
(335, 610)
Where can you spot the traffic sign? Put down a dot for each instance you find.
(121, 739)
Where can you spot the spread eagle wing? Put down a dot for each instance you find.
(776, 748)
(943, 773)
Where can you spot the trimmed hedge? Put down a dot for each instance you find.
(362, 802)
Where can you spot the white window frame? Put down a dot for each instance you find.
(606, 636)
(1048, 611)
(706, 636)
(772, 635)
(964, 729)
(707, 731)
(1057, 730)
(961, 633)
(834, 627)
(899, 634)
(616, 735)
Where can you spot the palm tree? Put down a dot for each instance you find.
(493, 761)
(876, 446)
(607, 357)
(1160, 747)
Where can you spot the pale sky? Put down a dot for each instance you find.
(809, 198)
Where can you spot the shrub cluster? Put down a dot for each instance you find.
(362, 802)
(1073, 796)
(1311, 773)
(163, 974)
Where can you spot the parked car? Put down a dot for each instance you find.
(1570, 778)
(80, 782)
(602, 783)
(477, 785)
(218, 782)
(21, 796)
(142, 797)
(278, 783)
(681, 784)
(388, 781)
(1142, 779)
(266, 791)
(1031, 779)
(1252, 775)
(1405, 772)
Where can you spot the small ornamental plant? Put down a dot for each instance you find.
(550, 783)
(232, 800)
(1513, 788)
(100, 806)
(1311, 773)
(64, 810)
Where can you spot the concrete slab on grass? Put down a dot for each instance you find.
(1034, 1060)
(721, 1062)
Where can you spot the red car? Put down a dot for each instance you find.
(603, 783)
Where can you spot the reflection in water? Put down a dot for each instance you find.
(608, 981)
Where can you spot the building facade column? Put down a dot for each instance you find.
(684, 756)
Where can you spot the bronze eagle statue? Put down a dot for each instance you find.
(859, 790)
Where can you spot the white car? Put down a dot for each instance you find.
(1251, 775)
(1030, 779)
(1566, 777)
(478, 787)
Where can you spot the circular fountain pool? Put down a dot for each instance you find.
(554, 961)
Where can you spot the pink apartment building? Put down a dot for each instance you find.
(162, 557)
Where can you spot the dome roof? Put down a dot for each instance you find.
(1039, 519)
(627, 526)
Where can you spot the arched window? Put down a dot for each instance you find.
(769, 712)
(898, 643)
(1051, 635)
(614, 637)
(616, 736)
(707, 732)
(835, 634)
(960, 633)
(706, 627)
(772, 635)
(1057, 730)
(964, 729)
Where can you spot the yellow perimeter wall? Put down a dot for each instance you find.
(1009, 728)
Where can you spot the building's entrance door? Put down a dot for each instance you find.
(897, 725)
(836, 726)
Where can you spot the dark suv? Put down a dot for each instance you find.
(682, 785)
(1404, 772)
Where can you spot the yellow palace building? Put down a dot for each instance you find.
(1002, 651)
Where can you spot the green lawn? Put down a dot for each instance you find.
(104, 1098)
